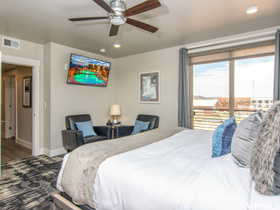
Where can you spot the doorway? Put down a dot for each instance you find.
(16, 107)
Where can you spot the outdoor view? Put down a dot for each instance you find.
(253, 90)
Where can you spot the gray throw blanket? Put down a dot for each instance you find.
(82, 165)
(264, 167)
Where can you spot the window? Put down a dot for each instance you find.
(236, 83)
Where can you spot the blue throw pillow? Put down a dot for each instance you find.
(221, 142)
(140, 126)
(86, 128)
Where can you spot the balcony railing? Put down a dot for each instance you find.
(205, 118)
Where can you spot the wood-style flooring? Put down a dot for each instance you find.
(11, 151)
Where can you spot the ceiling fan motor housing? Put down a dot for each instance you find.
(118, 6)
(118, 14)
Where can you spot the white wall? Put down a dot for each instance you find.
(68, 99)
(165, 61)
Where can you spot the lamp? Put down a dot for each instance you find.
(115, 112)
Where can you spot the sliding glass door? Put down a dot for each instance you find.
(253, 86)
(210, 94)
(235, 86)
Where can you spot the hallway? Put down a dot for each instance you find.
(11, 151)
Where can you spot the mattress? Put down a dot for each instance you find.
(176, 173)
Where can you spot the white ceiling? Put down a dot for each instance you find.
(180, 22)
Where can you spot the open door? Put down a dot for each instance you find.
(8, 109)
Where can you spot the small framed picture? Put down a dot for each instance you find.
(27, 92)
(149, 87)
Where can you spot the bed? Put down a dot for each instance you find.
(171, 173)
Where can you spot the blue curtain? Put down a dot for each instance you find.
(277, 68)
(184, 109)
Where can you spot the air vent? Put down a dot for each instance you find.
(10, 43)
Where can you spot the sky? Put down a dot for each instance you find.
(253, 78)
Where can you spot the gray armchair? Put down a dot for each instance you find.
(127, 130)
(73, 138)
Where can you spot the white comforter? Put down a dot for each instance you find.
(177, 173)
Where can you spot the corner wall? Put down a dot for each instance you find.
(57, 99)
(68, 99)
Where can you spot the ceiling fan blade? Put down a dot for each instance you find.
(114, 30)
(87, 18)
(142, 25)
(104, 5)
(143, 7)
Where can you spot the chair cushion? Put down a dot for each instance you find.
(72, 119)
(86, 128)
(140, 126)
(221, 141)
(91, 139)
(244, 139)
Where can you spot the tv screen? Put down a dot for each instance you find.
(88, 71)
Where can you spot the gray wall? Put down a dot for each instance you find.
(165, 61)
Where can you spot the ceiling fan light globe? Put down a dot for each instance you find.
(117, 45)
(118, 5)
(118, 20)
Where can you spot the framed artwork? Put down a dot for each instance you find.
(27, 92)
(149, 87)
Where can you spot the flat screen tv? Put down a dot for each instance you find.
(88, 71)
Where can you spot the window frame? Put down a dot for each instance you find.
(231, 69)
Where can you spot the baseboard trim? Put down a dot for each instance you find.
(43, 151)
(24, 143)
(54, 152)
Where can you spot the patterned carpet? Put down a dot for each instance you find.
(26, 184)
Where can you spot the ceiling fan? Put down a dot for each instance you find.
(118, 14)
